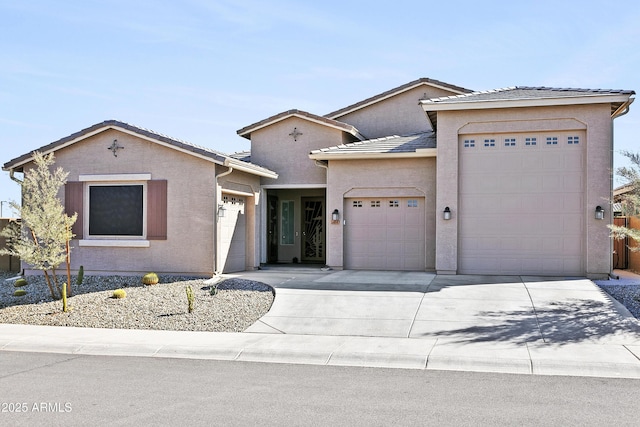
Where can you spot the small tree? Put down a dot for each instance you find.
(42, 242)
(631, 198)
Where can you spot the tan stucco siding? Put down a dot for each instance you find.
(190, 204)
(397, 175)
(398, 115)
(275, 149)
(593, 119)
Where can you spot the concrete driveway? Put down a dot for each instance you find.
(453, 309)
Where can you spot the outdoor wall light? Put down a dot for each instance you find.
(221, 211)
(599, 212)
(447, 213)
(335, 215)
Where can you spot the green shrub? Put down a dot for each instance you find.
(20, 282)
(19, 293)
(119, 293)
(150, 279)
(80, 277)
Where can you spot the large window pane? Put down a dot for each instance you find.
(287, 225)
(116, 210)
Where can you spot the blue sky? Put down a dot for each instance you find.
(199, 70)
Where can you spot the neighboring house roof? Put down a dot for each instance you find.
(415, 145)
(529, 96)
(246, 131)
(396, 91)
(245, 156)
(183, 146)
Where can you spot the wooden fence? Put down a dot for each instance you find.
(7, 263)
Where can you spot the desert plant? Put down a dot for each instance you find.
(150, 279)
(80, 277)
(42, 241)
(19, 293)
(119, 293)
(190, 298)
(213, 290)
(20, 283)
(65, 307)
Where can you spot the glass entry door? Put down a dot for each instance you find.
(313, 233)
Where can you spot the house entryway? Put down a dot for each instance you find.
(295, 226)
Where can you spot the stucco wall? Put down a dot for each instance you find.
(597, 170)
(345, 175)
(398, 115)
(190, 205)
(273, 148)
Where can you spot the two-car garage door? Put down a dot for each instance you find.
(385, 233)
(521, 208)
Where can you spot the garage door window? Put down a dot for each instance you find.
(412, 203)
(394, 203)
(489, 142)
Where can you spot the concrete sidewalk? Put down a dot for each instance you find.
(523, 325)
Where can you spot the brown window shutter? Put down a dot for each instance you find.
(73, 192)
(157, 210)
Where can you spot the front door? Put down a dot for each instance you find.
(272, 228)
(313, 234)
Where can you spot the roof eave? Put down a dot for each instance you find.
(250, 168)
(422, 152)
(428, 105)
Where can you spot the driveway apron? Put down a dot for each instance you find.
(453, 309)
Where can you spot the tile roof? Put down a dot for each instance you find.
(395, 91)
(524, 92)
(388, 145)
(246, 131)
(214, 155)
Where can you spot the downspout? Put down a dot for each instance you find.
(13, 178)
(216, 234)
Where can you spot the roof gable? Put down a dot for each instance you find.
(396, 91)
(173, 143)
(246, 131)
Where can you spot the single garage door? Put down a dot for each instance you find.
(232, 234)
(385, 233)
(521, 205)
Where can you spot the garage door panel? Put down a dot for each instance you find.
(385, 233)
(521, 209)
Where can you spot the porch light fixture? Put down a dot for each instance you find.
(447, 213)
(599, 212)
(335, 215)
(221, 211)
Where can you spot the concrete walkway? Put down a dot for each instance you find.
(509, 324)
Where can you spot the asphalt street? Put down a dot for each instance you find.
(62, 389)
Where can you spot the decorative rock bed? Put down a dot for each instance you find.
(238, 304)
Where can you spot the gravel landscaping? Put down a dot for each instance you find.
(626, 291)
(238, 304)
